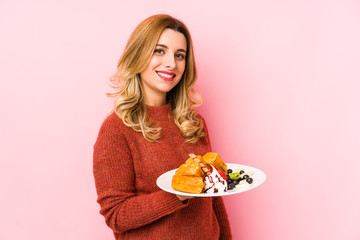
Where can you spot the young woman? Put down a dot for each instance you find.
(152, 130)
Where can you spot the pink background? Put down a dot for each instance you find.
(280, 82)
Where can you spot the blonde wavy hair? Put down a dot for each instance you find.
(129, 104)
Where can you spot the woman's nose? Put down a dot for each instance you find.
(170, 62)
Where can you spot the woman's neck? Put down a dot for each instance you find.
(155, 101)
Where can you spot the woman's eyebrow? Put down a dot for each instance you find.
(166, 47)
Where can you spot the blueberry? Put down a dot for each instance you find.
(229, 170)
(229, 181)
(231, 186)
(249, 180)
(242, 171)
(245, 176)
(236, 182)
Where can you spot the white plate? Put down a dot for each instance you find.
(164, 182)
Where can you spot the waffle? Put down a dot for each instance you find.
(189, 177)
(215, 160)
(187, 184)
(190, 168)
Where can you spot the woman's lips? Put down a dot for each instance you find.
(167, 76)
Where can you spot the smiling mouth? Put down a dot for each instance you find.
(166, 76)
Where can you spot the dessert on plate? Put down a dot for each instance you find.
(208, 174)
(214, 182)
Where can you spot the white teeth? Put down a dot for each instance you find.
(165, 75)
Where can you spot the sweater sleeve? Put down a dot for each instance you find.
(114, 177)
(222, 218)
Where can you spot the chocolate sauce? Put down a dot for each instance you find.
(212, 184)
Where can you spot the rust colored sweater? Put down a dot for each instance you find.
(126, 167)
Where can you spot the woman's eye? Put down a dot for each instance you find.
(159, 51)
(180, 56)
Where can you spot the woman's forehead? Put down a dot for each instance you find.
(172, 39)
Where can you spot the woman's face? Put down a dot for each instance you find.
(165, 68)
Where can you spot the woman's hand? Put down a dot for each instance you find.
(183, 198)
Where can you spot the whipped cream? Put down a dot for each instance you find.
(214, 183)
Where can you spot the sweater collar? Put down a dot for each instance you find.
(159, 112)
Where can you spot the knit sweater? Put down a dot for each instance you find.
(125, 169)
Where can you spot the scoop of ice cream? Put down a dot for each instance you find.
(214, 183)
